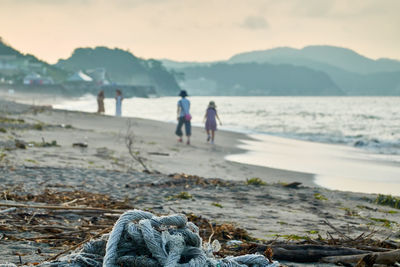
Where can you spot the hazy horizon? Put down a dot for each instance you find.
(199, 31)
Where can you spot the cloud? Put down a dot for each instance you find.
(255, 23)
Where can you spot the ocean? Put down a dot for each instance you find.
(349, 143)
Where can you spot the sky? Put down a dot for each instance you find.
(199, 30)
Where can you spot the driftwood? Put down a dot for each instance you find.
(369, 259)
(58, 207)
(309, 253)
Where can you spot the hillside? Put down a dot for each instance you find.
(123, 68)
(258, 79)
(26, 63)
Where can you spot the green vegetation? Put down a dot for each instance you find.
(350, 212)
(3, 130)
(2, 156)
(313, 232)
(181, 195)
(217, 205)
(319, 196)
(255, 181)
(388, 200)
(385, 223)
(10, 120)
(31, 161)
(294, 237)
(38, 126)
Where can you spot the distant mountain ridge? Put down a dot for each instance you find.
(351, 72)
(338, 57)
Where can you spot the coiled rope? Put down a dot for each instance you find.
(140, 238)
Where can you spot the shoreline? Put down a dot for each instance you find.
(50, 164)
(212, 163)
(283, 163)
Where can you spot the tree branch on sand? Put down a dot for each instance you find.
(130, 144)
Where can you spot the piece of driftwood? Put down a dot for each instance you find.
(307, 253)
(293, 185)
(311, 253)
(58, 207)
(158, 153)
(80, 144)
(369, 259)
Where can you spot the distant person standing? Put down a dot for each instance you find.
(118, 103)
(211, 123)
(183, 117)
(100, 102)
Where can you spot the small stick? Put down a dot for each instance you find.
(339, 232)
(8, 210)
(79, 244)
(58, 207)
(31, 218)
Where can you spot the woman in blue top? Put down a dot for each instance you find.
(183, 117)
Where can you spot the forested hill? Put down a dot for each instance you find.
(123, 67)
(258, 79)
(7, 50)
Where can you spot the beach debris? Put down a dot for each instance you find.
(158, 153)
(181, 195)
(188, 179)
(8, 210)
(11, 120)
(234, 243)
(217, 205)
(388, 200)
(66, 126)
(294, 185)
(143, 239)
(388, 258)
(132, 150)
(38, 126)
(319, 196)
(255, 181)
(20, 144)
(80, 144)
(53, 143)
(69, 219)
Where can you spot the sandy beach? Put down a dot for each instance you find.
(51, 162)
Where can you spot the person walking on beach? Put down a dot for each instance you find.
(118, 103)
(184, 117)
(211, 123)
(100, 102)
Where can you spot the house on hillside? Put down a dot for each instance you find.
(80, 77)
(37, 79)
(99, 76)
(10, 64)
